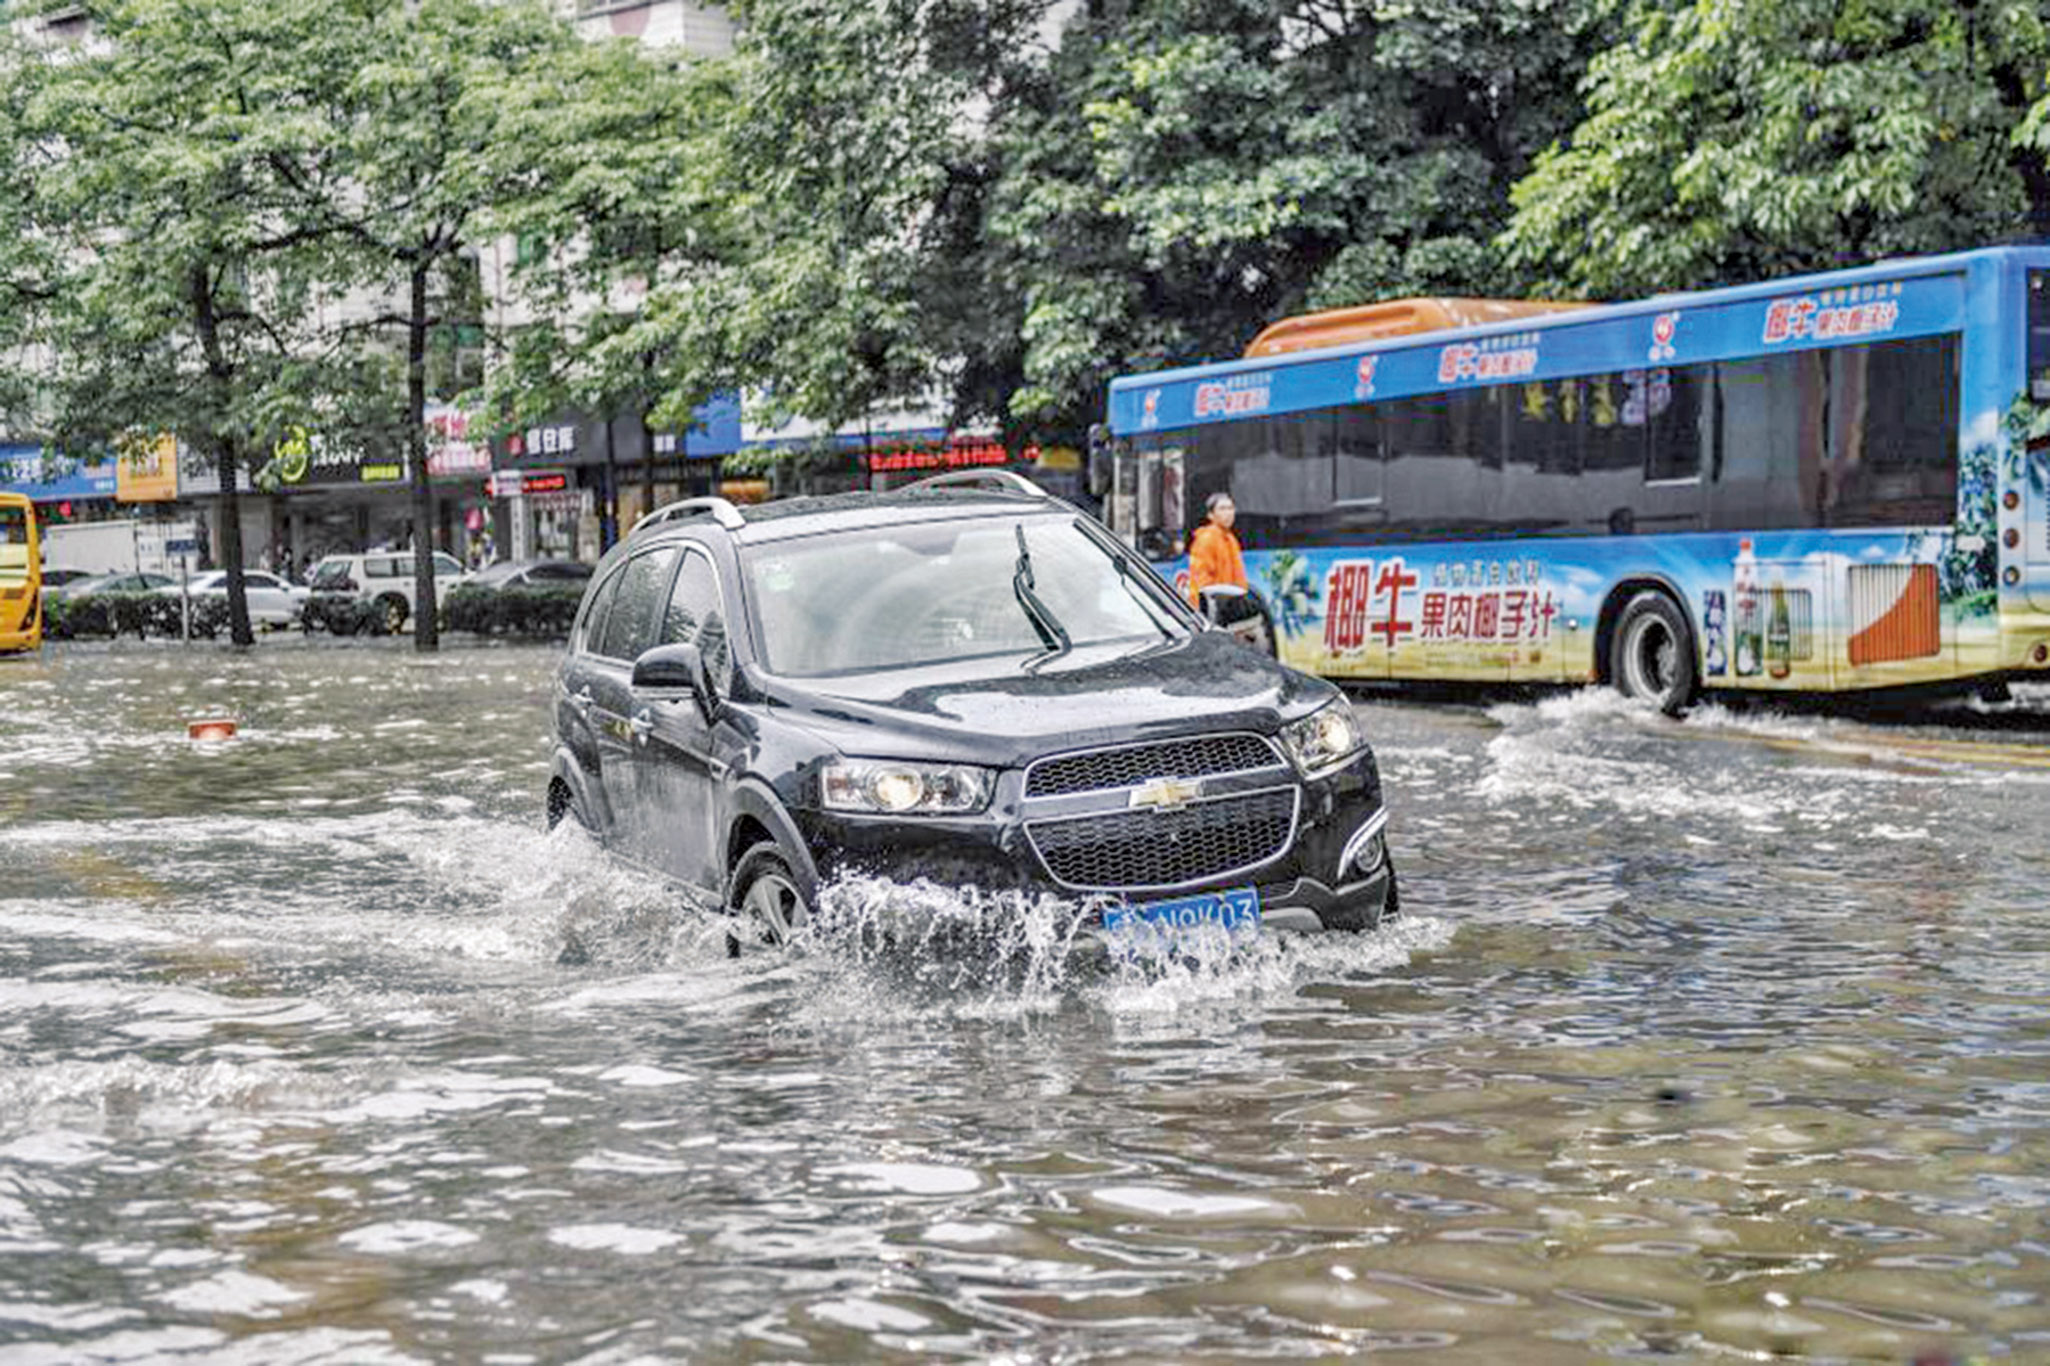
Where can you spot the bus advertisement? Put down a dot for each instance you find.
(21, 575)
(1832, 483)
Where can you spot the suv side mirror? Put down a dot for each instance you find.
(676, 668)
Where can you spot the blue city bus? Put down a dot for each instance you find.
(1823, 484)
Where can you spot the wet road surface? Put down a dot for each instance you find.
(1699, 1039)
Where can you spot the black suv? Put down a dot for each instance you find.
(981, 687)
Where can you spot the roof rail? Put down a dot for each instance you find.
(720, 511)
(1005, 481)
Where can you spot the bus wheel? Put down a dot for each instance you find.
(1652, 656)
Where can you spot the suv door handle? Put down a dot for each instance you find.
(643, 721)
(582, 699)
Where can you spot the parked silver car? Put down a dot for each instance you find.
(272, 600)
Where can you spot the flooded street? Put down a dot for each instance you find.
(1702, 1040)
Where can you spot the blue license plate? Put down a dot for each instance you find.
(1237, 910)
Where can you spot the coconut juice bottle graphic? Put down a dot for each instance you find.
(1779, 635)
(1749, 613)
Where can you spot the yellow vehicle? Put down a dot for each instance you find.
(21, 576)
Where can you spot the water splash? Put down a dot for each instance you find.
(876, 950)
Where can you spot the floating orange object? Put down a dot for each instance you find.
(212, 728)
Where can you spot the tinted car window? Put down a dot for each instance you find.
(593, 630)
(446, 564)
(696, 616)
(630, 624)
(559, 573)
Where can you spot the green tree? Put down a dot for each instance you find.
(414, 100)
(851, 158)
(166, 276)
(1193, 169)
(622, 201)
(1731, 140)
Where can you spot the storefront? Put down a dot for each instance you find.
(566, 489)
(313, 495)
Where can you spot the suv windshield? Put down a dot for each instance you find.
(898, 596)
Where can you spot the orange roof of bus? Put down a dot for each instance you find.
(1395, 318)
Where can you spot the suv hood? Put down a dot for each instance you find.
(994, 712)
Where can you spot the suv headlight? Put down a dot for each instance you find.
(888, 787)
(1323, 740)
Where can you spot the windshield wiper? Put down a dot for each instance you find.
(1136, 588)
(1038, 613)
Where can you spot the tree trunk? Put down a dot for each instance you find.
(207, 321)
(426, 629)
(647, 468)
(231, 547)
(608, 515)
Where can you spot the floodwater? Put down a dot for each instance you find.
(1707, 1040)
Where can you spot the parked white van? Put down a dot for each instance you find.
(382, 577)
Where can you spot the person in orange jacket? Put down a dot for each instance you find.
(1214, 557)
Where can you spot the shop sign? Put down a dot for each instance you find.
(955, 455)
(146, 469)
(48, 476)
(556, 439)
(528, 483)
(303, 458)
(580, 439)
(451, 451)
(200, 477)
(714, 431)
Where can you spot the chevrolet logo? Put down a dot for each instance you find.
(1167, 794)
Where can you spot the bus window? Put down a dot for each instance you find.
(1768, 450)
(1541, 477)
(1893, 424)
(1147, 510)
(1356, 455)
(1678, 427)
(1281, 471)
(1148, 498)
(1174, 518)
(1443, 467)
(1676, 414)
(1124, 492)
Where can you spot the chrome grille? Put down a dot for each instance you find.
(1135, 850)
(1131, 765)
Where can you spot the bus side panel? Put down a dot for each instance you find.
(1800, 610)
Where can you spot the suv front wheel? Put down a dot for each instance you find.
(765, 894)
